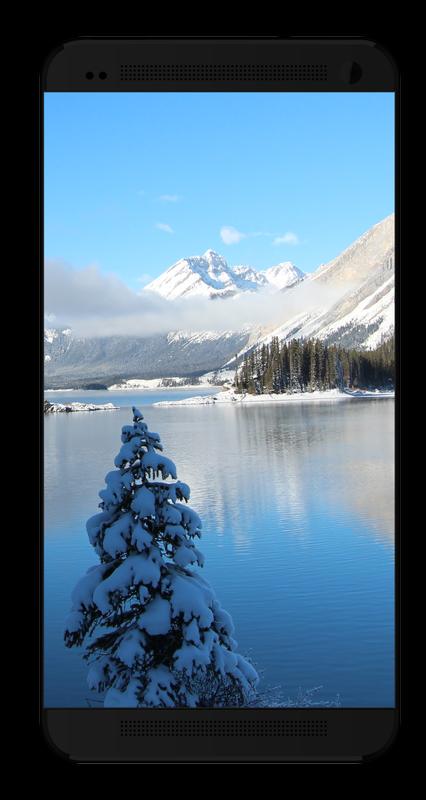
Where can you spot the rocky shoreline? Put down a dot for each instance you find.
(68, 408)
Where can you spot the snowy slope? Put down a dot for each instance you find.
(363, 314)
(361, 258)
(112, 359)
(364, 317)
(210, 275)
(207, 275)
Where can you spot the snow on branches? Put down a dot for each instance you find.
(154, 632)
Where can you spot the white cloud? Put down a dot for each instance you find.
(170, 198)
(230, 235)
(287, 238)
(95, 304)
(162, 226)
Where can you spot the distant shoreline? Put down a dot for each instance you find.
(231, 397)
(149, 385)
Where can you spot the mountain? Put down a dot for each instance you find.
(72, 361)
(210, 276)
(248, 279)
(364, 317)
(207, 275)
(360, 259)
(361, 283)
(283, 275)
(354, 306)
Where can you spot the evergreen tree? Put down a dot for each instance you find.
(295, 353)
(311, 349)
(154, 631)
(276, 367)
(320, 365)
(330, 368)
(297, 366)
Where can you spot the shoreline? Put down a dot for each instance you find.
(142, 387)
(230, 397)
(72, 408)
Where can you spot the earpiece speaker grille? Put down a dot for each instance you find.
(223, 72)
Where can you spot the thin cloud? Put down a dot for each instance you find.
(230, 235)
(170, 198)
(163, 226)
(287, 238)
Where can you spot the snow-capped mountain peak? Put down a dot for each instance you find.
(216, 262)
(283, 275)
(209, 275)
(213, 255)
(217, 268)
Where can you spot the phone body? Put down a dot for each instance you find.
(87, 74)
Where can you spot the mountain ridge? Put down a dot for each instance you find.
(361, 316)
(210, 275)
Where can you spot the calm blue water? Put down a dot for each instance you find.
(297, 509)
(124, 398)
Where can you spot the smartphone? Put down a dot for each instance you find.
(219, 553)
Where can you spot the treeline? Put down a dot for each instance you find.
(309, 365)
(171, 383)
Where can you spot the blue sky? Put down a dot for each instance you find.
(135, 181)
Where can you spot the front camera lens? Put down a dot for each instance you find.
(351, 72)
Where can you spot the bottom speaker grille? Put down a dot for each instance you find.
(212, 727)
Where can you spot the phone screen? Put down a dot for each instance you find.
(219, 411)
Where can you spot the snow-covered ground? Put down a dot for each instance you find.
(207, 380)
(53, 408)
(230, 396)
(146, 384)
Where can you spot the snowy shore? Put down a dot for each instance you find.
(54, 408)
(230, 396)
(206, 381)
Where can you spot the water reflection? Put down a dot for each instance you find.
(297, 509)
(249, 459)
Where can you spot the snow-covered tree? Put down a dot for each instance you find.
(153, 630)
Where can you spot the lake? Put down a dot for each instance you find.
(297, 503)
